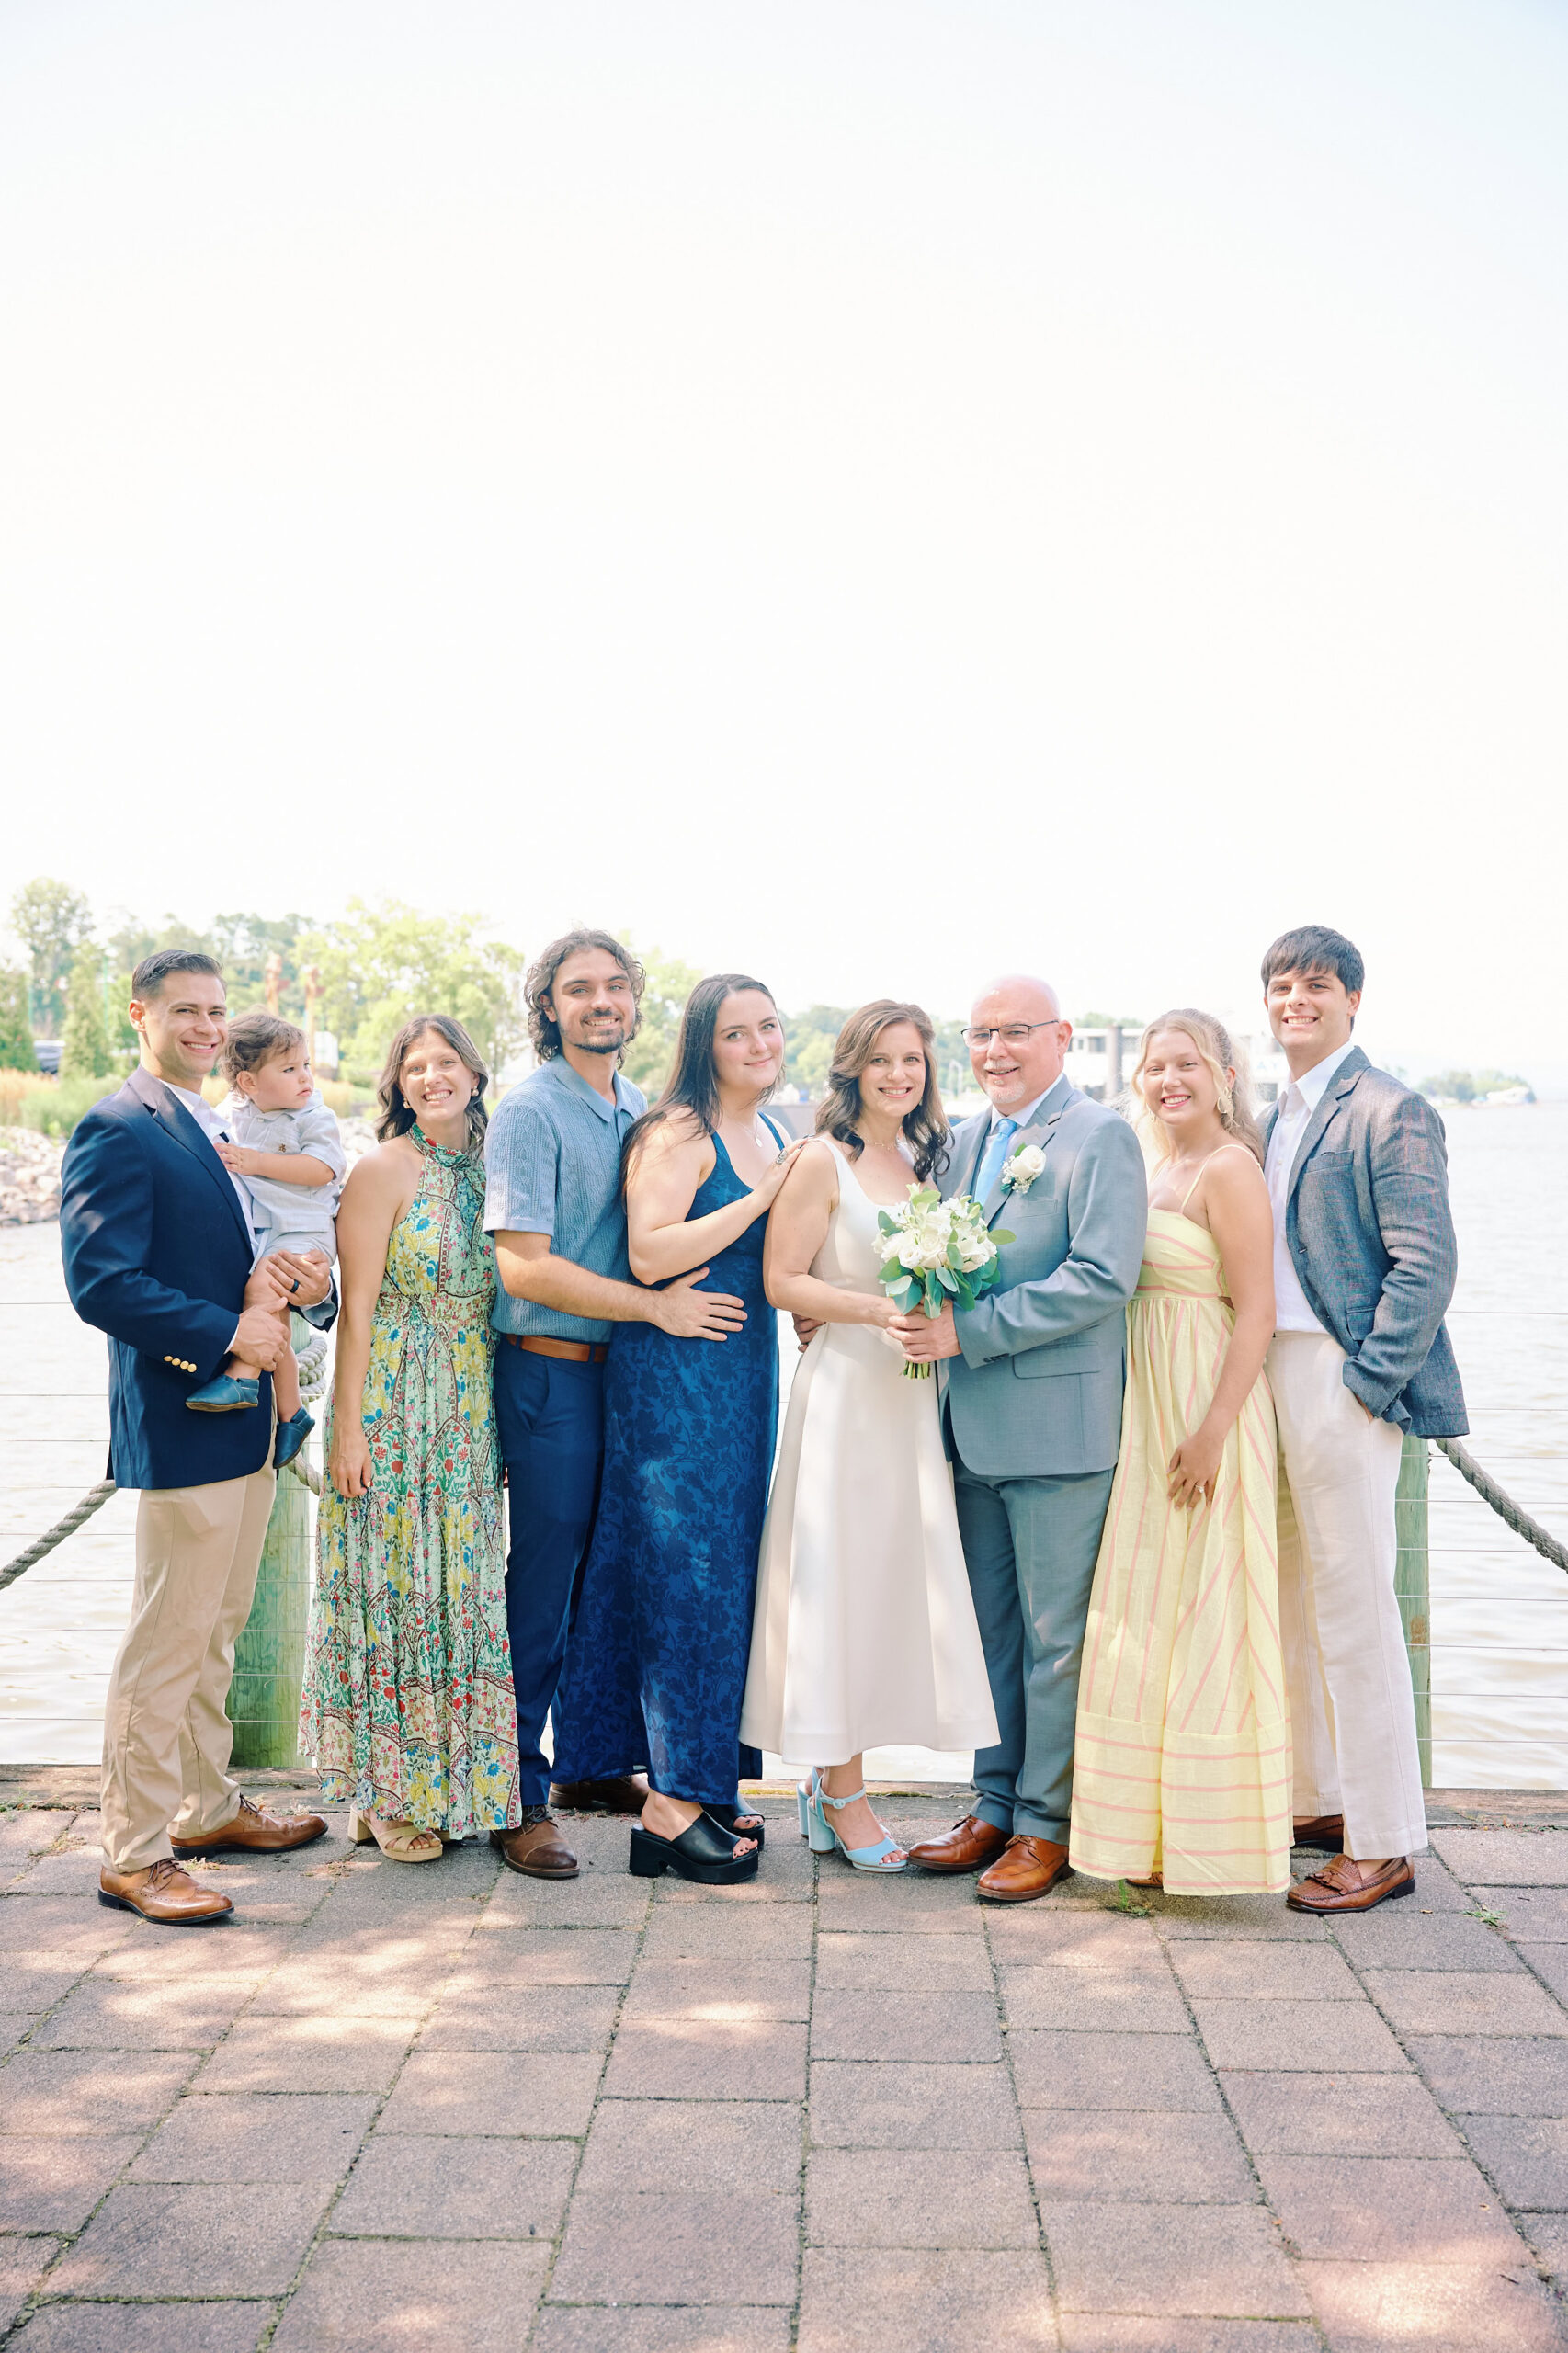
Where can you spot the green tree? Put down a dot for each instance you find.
(810, 1038)
(87, 1053)
(651, 1054)
(128, 942)
(16, 1028)
(382, 964)
(243, 944)
(52, 921)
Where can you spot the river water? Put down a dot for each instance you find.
(1499, 1612)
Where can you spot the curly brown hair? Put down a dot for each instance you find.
(544, 1030)
(925, 1129)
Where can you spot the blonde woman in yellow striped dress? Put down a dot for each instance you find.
(1182, 1769)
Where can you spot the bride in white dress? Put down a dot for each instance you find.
(864, 1631)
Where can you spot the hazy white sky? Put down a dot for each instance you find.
(866, 493)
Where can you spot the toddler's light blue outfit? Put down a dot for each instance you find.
(291, 1216)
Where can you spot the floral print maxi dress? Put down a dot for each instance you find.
(407, 1706)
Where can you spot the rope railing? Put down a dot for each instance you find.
(94, 1500)
(1510, 1513)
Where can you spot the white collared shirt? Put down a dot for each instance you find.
(1297, 1101)
(214, 1125)
(1021, 1119)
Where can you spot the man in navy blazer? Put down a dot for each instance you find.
(1364, 1267)
(158, 1250)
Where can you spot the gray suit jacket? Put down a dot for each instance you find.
(1367, 1225)
(1037, 1393)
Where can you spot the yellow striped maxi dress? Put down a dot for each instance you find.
(1183, 1756)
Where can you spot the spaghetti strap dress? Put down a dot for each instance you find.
(656, 1663)
(1183, 1756)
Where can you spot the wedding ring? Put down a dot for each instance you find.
(295, 1284)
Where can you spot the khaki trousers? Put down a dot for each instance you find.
(167, 1733)
(1352, 1712)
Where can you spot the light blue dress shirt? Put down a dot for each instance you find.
(553, 1166)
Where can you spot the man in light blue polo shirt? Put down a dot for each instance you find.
(553, 1203)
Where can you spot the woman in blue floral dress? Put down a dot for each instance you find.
(657, 1663)
(408, 1706)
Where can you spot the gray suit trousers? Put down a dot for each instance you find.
(1031, 1545)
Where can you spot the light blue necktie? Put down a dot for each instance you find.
(992, 1159)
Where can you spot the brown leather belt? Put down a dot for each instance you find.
(574, 1351)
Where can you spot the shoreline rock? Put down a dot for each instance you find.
(29, 1170)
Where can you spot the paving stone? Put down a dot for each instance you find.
(1235, 1917)
(36, 1982)
(886, 2300)
(1054, 2070)
(911, 1904)
(786, 1877)
(1292, 2114)
(593, 1900)
(146, 2329)
(72, 1872)
(1126, 2333)
(549, 1957)
(54, 2183)
(14, 2025)
(1320, 2036)
(1396, 1936)
(456, 2187)
(536, 2094)
(676, 1932)
(530, 2018)
(366, 2295)
(150, 2239)
(888, 2104)
(692, 2147)
(64, 1926)
(308, 2054)
(1492, 2075)
(1431, 2307)
(918, 2198)
(89, 2091)
(739, 1989)
(23, 2263)
(654, 2328)
(1548, 2234)
(1388, 2210)
(864, 1964)
(1256, 1971)
(1527, 2157)
(1505, 1858)
(1137, 2156)
(904, 2026)
(1550, 1962)
(708, 2059)
(245, 2136)
(1092, 2001)
(350, 1985)
(104, 2013)
(151, 1955)
(1081, 1940)
(656, 2246)
(1159, 2259)
(1420, 2001)
(1530, 1915)
(1437, 1890)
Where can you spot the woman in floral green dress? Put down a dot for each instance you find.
(408, 1706)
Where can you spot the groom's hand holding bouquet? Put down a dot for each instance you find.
(937, 1255)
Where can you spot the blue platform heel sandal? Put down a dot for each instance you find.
(885, 1855)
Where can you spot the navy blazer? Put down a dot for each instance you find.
(1369, 1233)
(157, 1254)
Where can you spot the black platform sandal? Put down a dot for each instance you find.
(704, 1851)
(741, 1822)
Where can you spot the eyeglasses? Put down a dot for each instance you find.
(1013, 1035)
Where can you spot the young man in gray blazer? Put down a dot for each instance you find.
(1033, 1415)
(1364, 1267)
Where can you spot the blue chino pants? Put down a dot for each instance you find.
(550, 1416)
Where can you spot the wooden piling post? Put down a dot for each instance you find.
(269, 1658)
(1411, 1586)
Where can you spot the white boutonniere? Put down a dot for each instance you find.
(1020, 1172)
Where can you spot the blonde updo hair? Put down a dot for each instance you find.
(1222, 1055)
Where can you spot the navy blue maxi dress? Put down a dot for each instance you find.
(656, 1667)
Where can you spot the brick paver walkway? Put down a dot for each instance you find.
(450, 2110)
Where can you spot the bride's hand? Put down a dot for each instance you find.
(884, 1313)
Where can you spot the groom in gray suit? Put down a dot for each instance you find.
(1032, 1415)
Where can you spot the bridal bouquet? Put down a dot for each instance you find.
(936, 1252)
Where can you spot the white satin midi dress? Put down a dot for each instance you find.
(864, 1633)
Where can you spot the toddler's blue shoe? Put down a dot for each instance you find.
(291, 1436)
(224, 1395)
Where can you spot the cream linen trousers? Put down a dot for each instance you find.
(1352, 1712)
(166, 1730)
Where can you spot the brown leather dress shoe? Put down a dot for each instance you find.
(165, 1893)
(1029, 1868)
(535, 1847)
(965, 1848)
(622, 1793)
(1325, 1835)
(255, 1831)
(1340, 1886)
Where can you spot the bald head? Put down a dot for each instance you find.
(1016, 1070)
